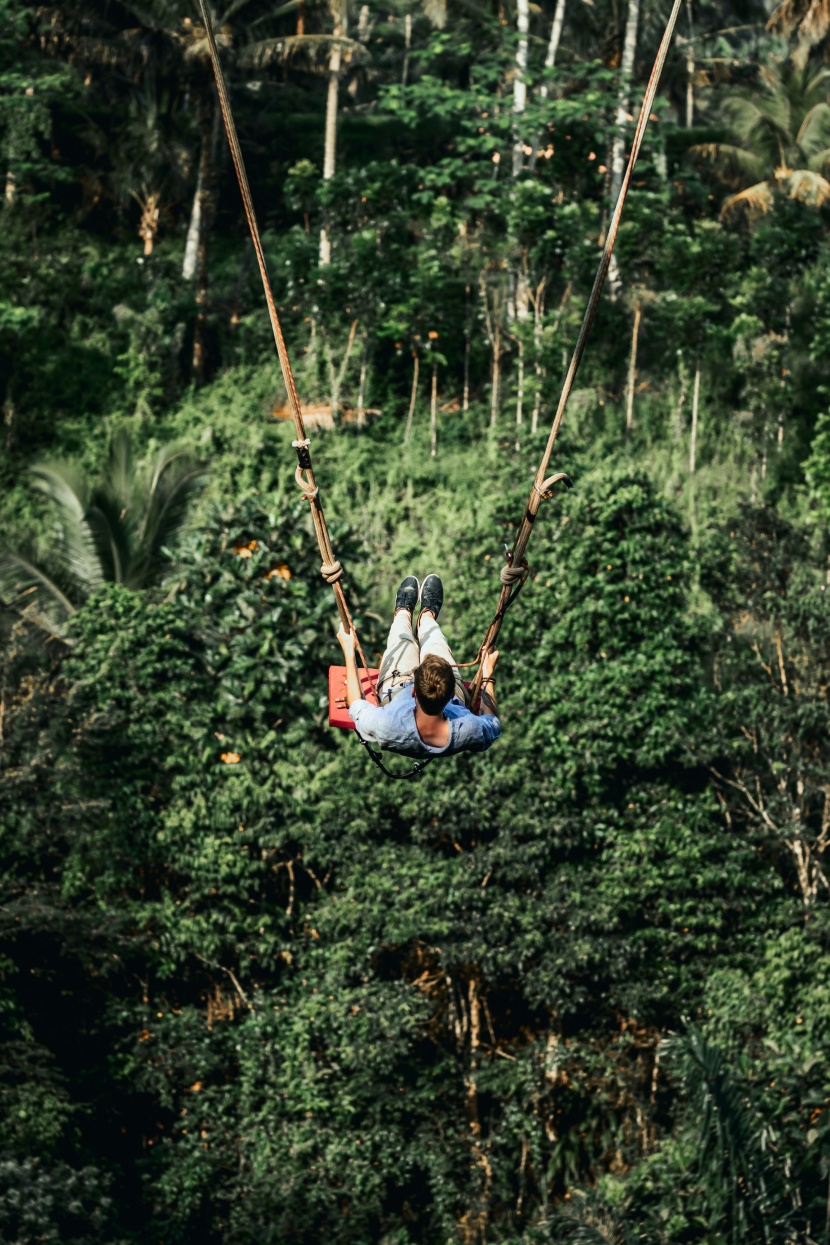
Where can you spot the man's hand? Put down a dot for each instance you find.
(489, 664)
(347, 643)
(346, 639)
(488, 689)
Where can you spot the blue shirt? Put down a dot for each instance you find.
(393, 726)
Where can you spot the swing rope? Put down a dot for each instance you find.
(331, 569)
(515, 573)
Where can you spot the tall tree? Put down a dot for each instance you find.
(520, 83)
(621, 127)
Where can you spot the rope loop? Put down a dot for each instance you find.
(331, 571)
(547, 485)
(308, 491)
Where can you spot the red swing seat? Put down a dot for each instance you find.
(338, 708)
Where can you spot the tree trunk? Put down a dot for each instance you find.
(538, 315)
(361, 412)
(764, 444)
(690, 71)
(11, 187)
(191, 246)
(550, 61)
(695, 403)
(416, 364)
(632, 373)
(520, 83)
(337, 377)
(210, 132)
(8, 418)
(474, 1225)
(520, 392)
(330, 150)
(621, 123)
(465, 398)
(407, 44)
(678, 415)
(433, 411)
(494, 395)
(623, 98)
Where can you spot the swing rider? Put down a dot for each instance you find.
(422, 706)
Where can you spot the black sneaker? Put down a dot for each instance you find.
(432, 595)
(407, 595)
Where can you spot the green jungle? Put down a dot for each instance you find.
(574, 990)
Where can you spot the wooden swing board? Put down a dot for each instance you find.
(338, 708)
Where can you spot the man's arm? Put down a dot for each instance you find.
(488, 685)
(353, 691)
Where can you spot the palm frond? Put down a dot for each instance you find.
(755, 201)
(730, 1138)
(29, 590)
(808, 187)
(819, 162)
(290, 6)
(267, 52)
(112, 527)
(67, 488)
(733, 164)
(435, 12)
(807, 20)
(760, 121)
(174, 479)
(120, 469)
(814, 132)
(575, 1233)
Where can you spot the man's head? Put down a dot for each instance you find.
(434, 684)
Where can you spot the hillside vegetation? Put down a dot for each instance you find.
(576, 989)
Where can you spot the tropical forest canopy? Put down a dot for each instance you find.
(573, 990)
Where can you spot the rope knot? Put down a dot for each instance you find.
(511, 575)
(331, 571)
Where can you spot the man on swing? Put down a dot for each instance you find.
(422, 706)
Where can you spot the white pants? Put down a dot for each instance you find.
(405, 652)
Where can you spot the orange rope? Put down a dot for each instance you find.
(541, 485)
(331, 569)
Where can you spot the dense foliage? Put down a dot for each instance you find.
(576, 989)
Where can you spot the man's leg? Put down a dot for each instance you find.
(430, 635)
(402, 653)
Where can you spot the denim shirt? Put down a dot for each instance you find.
(393, 726)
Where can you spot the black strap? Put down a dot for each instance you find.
(416, 771)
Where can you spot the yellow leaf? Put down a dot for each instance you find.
(281, 570)
(231, 758)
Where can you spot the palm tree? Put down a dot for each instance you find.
(336, 46)
(781, 144)
(736, 1172)
(807, 21)
(117, 531)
